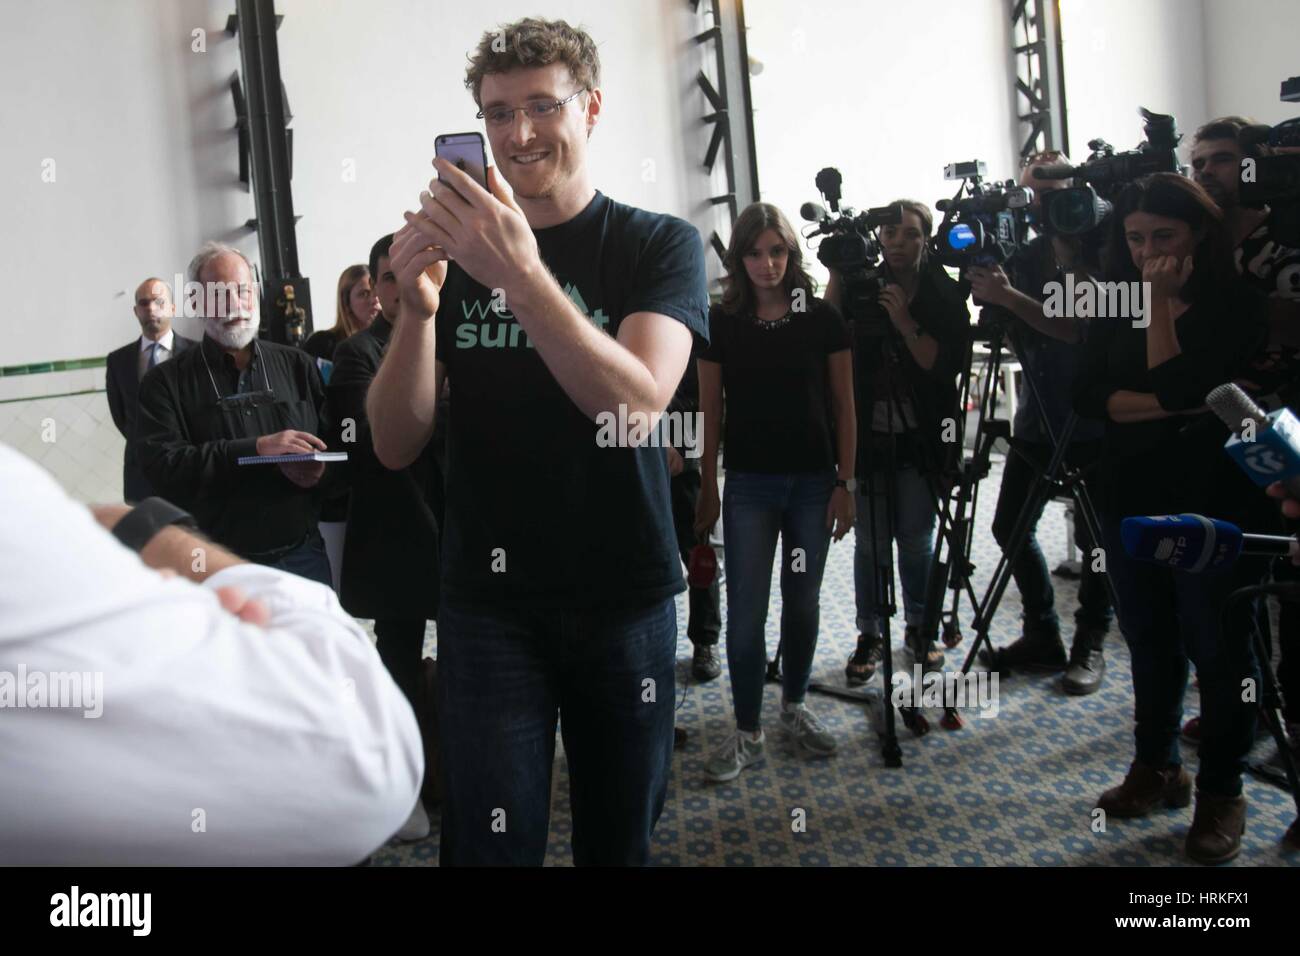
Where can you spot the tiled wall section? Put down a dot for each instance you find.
(60, 420)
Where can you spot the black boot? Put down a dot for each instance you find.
(1037, 651)
(1087, 663)
(706, 664)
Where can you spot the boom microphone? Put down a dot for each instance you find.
(813, 212)
(1055, 172)
(1196, 544)
(1265, 444)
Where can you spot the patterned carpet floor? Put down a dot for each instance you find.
(1013, 789)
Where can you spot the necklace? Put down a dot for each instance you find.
(772, 323)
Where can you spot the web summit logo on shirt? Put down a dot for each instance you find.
(482, 327)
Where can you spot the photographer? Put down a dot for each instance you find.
(1163, 454)
(1049, 352)
(925, 341)
(782, 359)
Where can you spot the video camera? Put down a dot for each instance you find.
(984, 227)
(1274, 180)
(852, 249)
(1077, 210)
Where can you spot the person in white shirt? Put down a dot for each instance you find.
(181, 706)
(126, 366)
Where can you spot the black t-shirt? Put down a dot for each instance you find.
(538, 514)
(776, 388)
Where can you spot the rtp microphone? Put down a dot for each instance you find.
(1197, 544)
(1265, 444)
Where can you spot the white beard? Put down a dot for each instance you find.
(231, 338)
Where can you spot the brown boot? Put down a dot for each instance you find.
(1217, 828)
(1145, 788)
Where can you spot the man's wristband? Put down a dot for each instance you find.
(138, 526)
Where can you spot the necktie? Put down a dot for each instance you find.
(153, 355)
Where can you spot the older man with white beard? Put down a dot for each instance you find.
(236, 396)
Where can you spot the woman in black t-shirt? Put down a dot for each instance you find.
(911, 345)
(782, 360)
(1163, 454)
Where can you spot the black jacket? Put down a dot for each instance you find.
(1175, 465)
(194, 426)
(123, 389)
(390, 551)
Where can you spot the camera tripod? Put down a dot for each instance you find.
(1057, 473)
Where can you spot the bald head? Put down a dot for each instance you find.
(154, 308)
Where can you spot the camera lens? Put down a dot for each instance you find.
(1071, 211)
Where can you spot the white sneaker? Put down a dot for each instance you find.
(807, 730)
(416, 826)
(737, 752)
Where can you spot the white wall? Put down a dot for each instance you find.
(1197, 59)
(1122, 54)
(137, 129)
(874, 89)
(141, 130)
(1251, 47)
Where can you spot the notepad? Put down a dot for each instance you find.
(286, 459)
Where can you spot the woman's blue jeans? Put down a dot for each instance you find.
(756, 509)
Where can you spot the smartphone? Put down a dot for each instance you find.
(466, 152)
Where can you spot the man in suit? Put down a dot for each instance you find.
(390, 550)
(126, 366)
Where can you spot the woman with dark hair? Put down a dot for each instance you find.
(917, 331)
(781, 358)
(355, 307)
(1163, 454)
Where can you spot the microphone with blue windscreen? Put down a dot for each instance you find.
(1265, 444)
(1196, 544)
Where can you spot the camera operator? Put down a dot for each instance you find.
(1273, 269)
(1050, 353)
(1163, 454)
(927, 335)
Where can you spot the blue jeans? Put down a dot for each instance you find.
(1168, 617)
(504, 676)
(914, 517)
(755, 509)
(308, 560)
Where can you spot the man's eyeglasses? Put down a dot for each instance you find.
(539, 111)
(1042, 158)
